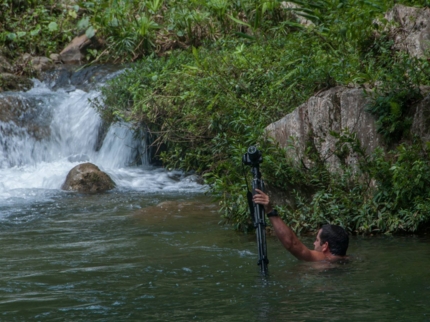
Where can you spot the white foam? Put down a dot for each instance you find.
(29, 164)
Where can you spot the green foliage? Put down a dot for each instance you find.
(127, 26)
(206, 105)
(35, 27)
(397, 94)
(132, 28)
(243, 65)
(386, 193)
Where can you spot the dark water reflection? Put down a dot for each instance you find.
(130, 257)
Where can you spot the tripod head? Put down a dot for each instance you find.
(252, 157)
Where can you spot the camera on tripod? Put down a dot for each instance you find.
(252, 157)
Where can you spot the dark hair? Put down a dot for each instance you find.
(336, 237)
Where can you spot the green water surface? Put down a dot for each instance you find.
(127, 256)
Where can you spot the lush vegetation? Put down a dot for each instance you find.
(211, 75)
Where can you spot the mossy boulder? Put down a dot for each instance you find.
(87, 178)
(11, 82)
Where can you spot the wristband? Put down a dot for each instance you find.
(273, 213)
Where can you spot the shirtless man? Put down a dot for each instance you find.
(330, 245)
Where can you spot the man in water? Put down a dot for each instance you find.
(330, 245)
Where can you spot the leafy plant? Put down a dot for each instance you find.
(397, 94)
(205, 106)
(242, 65)
(38, 28)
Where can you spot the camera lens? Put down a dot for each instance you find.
(254, 154)
(252, 149)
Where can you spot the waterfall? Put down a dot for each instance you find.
(44, 133)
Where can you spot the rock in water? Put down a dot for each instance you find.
(87, 178)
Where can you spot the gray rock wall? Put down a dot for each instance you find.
(421, 121)
(338, 109)
(409, 27)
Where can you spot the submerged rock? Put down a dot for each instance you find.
(87, 178)
(69, 77)
(24, 114)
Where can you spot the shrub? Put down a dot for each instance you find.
(206, 105)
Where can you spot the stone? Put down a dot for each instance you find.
(55, 58)
(74, 53)
(40, 63)
(409, 27)
(25, 58)
(337, 110)
(421, 121)
(25, 114)
(302, 20)
(87, 178)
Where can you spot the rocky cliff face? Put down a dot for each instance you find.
(409, 27)
(339, 110)
(316, 123)
(421, 121)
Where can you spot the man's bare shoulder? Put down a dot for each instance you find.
(317, 256)
(309, 255)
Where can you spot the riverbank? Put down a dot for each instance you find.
(206, 102)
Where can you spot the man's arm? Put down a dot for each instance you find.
(285, 234)
(290, 241)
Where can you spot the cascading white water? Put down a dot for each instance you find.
(61, 129)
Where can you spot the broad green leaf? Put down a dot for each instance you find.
(83, 23)
(90, 32)
(35, 31)
(113, 22)
(72, 14)
(52, 26)
(11, 36)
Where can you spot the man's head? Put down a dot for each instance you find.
(333, 238)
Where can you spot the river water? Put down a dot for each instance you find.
(152, 249)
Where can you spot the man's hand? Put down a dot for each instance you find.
(287, 237)
(262, 199)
